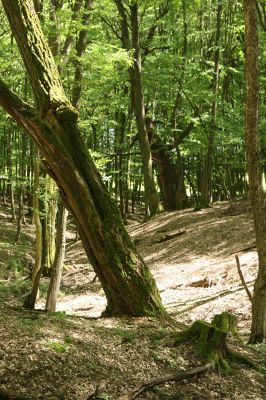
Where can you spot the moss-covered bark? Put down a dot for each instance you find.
(128, 284)
(211, 337)
(57, 268)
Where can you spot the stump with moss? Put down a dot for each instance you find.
(211, 338)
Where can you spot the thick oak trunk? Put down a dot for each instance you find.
(127, 282)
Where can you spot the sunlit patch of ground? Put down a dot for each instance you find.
(195, 272)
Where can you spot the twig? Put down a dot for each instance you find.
(166, 378)
(243, 279)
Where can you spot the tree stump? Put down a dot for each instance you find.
(211, 338)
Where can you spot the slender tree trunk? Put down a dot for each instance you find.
(208, 159)
(37, 270)
(80, 49)
(258, 329)
(10, 187)
(126, 280)
(151, 197)
(57, 268)
(20, 214)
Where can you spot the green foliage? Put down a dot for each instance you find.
(177, 41)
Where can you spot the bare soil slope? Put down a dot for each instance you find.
(63, 357)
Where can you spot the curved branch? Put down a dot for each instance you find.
(166, 378)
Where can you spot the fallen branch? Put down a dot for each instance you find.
(243, 279)
(166, 378)
(170, 236)
(251, 247)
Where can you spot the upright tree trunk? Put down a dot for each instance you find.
(20, 214)
(57, 268)
(48, 217)
(151, 197)
(10, 187)
(258, 329)
(129, 286)
(37, 270)
(80, 49)
(208, 159)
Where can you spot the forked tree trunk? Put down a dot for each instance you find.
(258, 329)
(128, 284)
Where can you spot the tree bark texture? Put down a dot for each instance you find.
(128, 284)
(258, 329)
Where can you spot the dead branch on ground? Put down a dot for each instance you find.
(243, 279)
(166, 378)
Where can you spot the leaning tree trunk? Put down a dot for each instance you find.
(258, 329)
(127, 282)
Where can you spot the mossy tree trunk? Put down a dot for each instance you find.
(258, 201)
(48, 209)
(57, 268)
(128, 284)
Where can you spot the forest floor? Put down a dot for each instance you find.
(64, 355)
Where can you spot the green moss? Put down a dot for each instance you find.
(57, 346)
(211, 338)
(226, 322)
